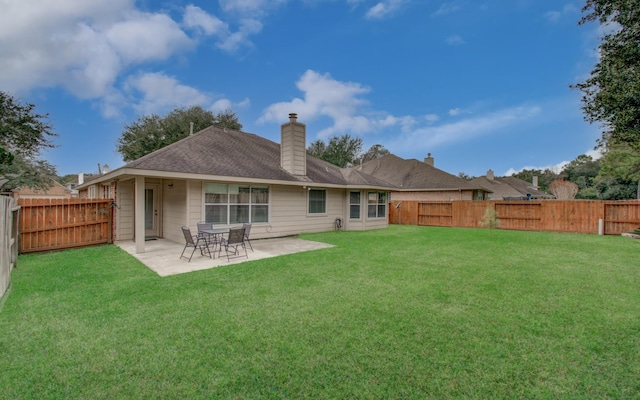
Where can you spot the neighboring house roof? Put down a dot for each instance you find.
(510, 187)
(55, 191)
(414, 175)
(220, 152)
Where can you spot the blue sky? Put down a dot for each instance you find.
(479, 84)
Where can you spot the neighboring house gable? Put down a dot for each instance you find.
(509, 188)
(417, 180)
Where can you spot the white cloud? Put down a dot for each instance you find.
(250, 7)
(88, 47)
(196, 18)
(455, 111)
(384, 8)
(455, 40)
(447, 8)
(431, 118)
(431, 136)
(226, 104)
(556, 15)
(594, 153)
(345, 105)
(161, 93)
(79, 45)
(145, 37)
(340, 101)
(553, 16)
(238, 39)
(557, 168)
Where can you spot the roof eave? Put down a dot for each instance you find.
(131, 173)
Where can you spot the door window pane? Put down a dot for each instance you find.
(148, 209)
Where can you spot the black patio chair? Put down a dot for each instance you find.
(247, 232)
(234, 242)
(196, 242)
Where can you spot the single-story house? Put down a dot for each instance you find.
(228, 178)
(510, 188)
(416, 180)
(56, 191)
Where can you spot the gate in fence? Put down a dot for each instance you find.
(53, 224)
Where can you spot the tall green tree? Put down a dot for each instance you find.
(24, 133)
(342, 151)
(375, 151)
(611, 94)
(465, 176)
(621, 160)
(152, 132)
(345, 151)
(582, 171)
(545, 177)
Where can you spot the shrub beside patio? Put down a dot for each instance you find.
(406, 312)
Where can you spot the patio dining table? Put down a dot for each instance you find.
(217, 233)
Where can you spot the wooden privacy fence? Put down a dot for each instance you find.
(53, 224)
(581, 216)
(9, 212)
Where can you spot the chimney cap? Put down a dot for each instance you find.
(293, 117)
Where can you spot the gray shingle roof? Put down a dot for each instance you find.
(214, 151)
(509, 187)
(413, 174)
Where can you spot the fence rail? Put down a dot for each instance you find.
(581, 216)
(9, 212)
(53, 224)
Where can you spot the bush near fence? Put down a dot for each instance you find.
(53, 224)
(580, 216)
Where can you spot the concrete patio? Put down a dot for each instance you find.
(163, 256)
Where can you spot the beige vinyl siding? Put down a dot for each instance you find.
(355, 224)
(174, 209)
(125, 221)
(289, 214)
(195, 201)
(183, 204)
(376, 223)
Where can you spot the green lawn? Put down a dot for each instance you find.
(406, 312)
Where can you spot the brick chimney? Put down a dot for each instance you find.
(429, 160)
(490, 175)
(293, 150)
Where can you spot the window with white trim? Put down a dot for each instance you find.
(377, 205)
(317, 201)
(226, 204)
(354, 205)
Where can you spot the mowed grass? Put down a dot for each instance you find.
(405, 312)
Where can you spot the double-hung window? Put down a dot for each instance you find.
(354, 205)
(377, 205)
(317, 201)
(236, 204)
